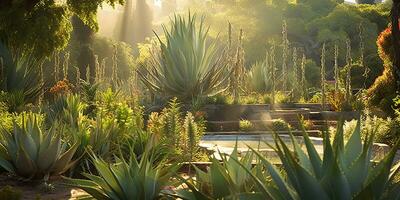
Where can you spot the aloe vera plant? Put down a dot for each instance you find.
(30, 152)
(345, 171)
(126, 179)
(188, 64)
(258, 77)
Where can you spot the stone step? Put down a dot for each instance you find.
(259, 125)
(314, 133)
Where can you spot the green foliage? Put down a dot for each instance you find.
(5, 116)
(44, 26)
(188, 64)
(386, 129)
(33, 153)
(381, 93)
(126, 178)
(126, 115)
(182, 135)
(245, 125)
(338, 102)
(344, 172)
(280, 125)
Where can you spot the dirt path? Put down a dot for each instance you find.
(36, 190)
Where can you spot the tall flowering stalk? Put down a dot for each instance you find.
(296, 74)
(97, 69)
(66, 65)
(41, 96)
(323, 78)
(285, 46)
(103, 69)
(266, 68)
(303, 77)
(88, 73)
(348, 71)
(336, 68)
(238, 69)
(78, 76)
(229, 35)
(114, 78)
(362, 63)
(273, 76)
(56, 59)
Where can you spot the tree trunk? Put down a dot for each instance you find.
(396, 41)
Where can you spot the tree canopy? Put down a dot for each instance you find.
(44, 25)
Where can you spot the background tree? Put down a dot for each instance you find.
(44, 25)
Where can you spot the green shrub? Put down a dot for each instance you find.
(126, 114)
(386, 130)
(383, 91)
(5, 117)
(181, 134)
(245, 125)
(280, 125)
(281, 97)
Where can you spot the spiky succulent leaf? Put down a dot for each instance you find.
(188, 64)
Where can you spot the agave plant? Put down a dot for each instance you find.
(21, 75)
(126, 179)
(188, 64)
(30, 152)
(345, 171)
(258, 77)
(223, 180)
